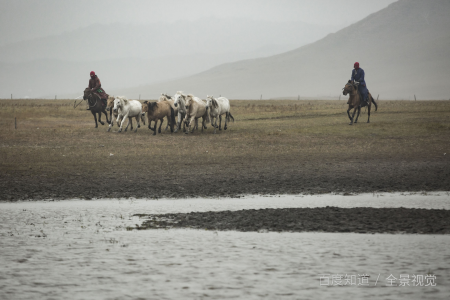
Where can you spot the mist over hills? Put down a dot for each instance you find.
(404, 49)
(127, 55)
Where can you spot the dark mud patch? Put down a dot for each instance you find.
(243, 177)
(326, 219)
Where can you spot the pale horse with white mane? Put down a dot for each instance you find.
(218, 107)
(180, 104)
(195, 108)
(129, 109)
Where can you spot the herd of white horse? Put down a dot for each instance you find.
(186, 107)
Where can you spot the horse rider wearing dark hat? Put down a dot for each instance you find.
(358, 75)
(96, 87)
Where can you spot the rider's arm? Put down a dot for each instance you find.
(361, 76)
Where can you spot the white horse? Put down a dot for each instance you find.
(117, 116)
(195, 108)
(218, 107)
(129, 109)
(180, 104)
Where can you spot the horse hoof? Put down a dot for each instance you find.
(350, 123)
(109, 129)
(154, 133)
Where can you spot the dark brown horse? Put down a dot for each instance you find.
(354, 101)
(95, 105)
(157, 111)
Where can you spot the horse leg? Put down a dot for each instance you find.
(353, 116)
(348, 113)
(161, 122)
(143, 118)
(125, 117)
(154, 129)
(100, 118)
(226, 120)
(106, 115)
(110, 124)
(150, 125)
(192, 120)
(138, 123)
(95, 118)
(220, 122)
(368, 110)
(215, 124)
(357, 116)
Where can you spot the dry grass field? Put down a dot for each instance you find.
(277, 146)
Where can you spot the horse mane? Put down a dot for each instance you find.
(152, 106)
(214, 103)
(123, 98)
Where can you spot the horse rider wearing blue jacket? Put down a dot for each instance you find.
(358, 75)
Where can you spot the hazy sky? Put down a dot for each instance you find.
(29, 19)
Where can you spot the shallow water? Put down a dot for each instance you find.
(81, 250)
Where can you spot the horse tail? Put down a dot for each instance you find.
(230, 116)
(172, 118)
(373, 101)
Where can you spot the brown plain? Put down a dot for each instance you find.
(278, 146)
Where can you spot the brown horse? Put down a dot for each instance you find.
(157, 111)
(170, 100)
(354, 101)
(96, 106)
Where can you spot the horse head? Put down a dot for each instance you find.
(110, 103)
(117, 104)
(188, 102)
(211, 102)
(349, 88)
(145, 107)
(178, 97)
(86, 93)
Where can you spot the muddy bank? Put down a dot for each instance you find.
(285, 176)
(327, 219)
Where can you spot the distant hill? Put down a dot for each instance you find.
(127, 55)
(404, 49)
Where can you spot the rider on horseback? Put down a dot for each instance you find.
(358, 75)
(96, 87)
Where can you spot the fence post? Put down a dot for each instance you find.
(415, 99)
(378, 96)
(11, 96)
(261, 97)
(139, 97)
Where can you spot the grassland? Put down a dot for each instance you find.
(275, 146)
